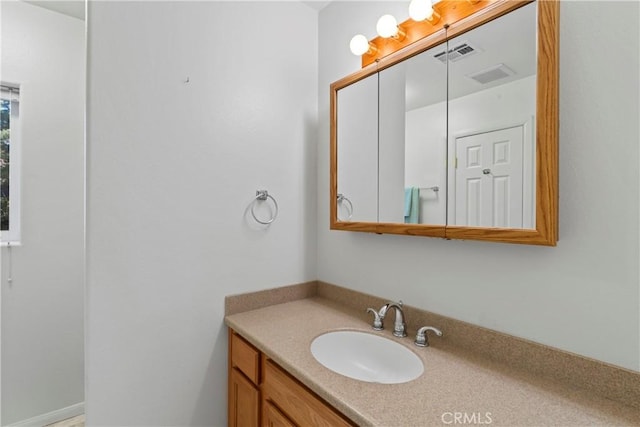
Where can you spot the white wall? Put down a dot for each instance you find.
(172, 168)
(426, 159)
(42, 311)
(392, 105)
(357, 121)
(583, 295)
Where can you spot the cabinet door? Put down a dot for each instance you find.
(272, 417)
(244, 401)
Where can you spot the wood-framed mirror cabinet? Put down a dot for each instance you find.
(543, 226)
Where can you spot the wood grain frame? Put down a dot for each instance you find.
(546, 231)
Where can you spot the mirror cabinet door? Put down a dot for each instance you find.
(459, 140)
(492, 113)
(413, 139)
(357, 150)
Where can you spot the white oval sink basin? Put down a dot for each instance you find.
(366, 357)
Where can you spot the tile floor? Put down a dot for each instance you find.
(71, 422)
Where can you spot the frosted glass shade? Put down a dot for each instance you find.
(387, 26)
(419, 10)
(359, 45)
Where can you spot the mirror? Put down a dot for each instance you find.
(464, 142)
(413, 140)
(492, 109)
(358, 167)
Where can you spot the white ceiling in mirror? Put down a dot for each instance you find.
(73, 8)
(478, 53)
(317, 4)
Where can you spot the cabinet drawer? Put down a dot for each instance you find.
(245, 357)
(272, 417)
(301, 405)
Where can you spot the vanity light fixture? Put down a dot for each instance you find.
(388, 27)
(360, 45)
(427, 17)
(420, 10)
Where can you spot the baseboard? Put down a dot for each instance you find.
(52, 417)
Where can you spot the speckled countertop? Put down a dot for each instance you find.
(456, 388)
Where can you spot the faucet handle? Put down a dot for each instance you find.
(377, 318)
(422, 340)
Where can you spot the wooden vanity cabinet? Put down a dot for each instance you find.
(243, 391)
(299, 403)
(261, 393)
(244, 400)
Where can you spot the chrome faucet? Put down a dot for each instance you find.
(399, 327)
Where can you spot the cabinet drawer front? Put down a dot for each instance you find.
(299, 404)
(272, 417)
(245, 357)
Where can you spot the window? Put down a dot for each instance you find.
(10, 162)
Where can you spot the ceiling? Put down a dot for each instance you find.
(317, 4)
(73, 8)
(494, 49)
(76, 8)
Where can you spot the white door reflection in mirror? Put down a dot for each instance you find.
(357, 132)
(490, 168)
(492, 107)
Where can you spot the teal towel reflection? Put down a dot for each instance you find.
(411, 205)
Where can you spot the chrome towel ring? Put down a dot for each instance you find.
(341, 199)
(262, 195)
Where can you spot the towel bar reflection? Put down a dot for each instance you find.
(262, 195)
(435, 188)
(348, 204)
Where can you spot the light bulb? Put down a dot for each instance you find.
(359, 45)
(419, 10)
(387, 26)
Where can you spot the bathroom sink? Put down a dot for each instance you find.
(366, 357)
